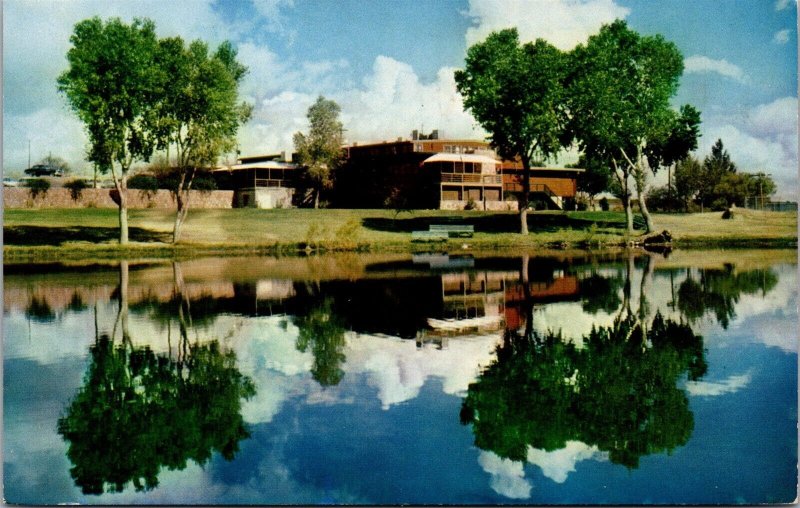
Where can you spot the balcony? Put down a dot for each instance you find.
(472, 178)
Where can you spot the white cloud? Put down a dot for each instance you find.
(35, 42)
(781, 37)
(704, 64)
(752, 153)
(390, 102)
(508, 477)
(784, 4)
(564, 23)
(557, 464)
(398, 370)
(731, 384)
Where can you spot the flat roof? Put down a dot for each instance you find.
(461, 157)
(574, 170)
(270, 164)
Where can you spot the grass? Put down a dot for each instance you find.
(92, 232)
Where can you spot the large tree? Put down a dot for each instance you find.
(197, 110)
(679, 139)
(321, 149)
(619, 90)
(515, 92)
(110, 84)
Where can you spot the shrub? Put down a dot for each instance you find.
(146, 184)
(604, 204)
(470, 205)
(37, 186)
(76, 188)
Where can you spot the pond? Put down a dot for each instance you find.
(601, 378)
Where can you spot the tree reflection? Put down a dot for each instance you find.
(618, 392)
(139, 411)
(322, 330)
(718, 291)
(599, 293)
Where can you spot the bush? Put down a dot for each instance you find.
(604, 204)
(470, 205)
(76, 188)
(37, 186)
(146, 184)
(143, 182)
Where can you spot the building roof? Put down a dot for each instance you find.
(269, 164)
(518, 167)
(460, 157)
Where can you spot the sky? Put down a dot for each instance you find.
(390, 64)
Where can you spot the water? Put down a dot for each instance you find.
(613, 378)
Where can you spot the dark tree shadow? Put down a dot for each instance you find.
(494, 223)
(43, 235)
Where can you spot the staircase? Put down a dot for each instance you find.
(540, 188)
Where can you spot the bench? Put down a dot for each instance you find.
(453, 230)
(429, 236)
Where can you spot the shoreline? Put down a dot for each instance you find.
(16, 254)
(48, 235)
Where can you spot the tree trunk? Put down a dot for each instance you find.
(121, 185)
(316, 199)
(524, 199)
(622, 177)
(181, 212)
(648, 220)
(182, 195)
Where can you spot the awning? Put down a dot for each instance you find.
(460, 157)
(257, 165)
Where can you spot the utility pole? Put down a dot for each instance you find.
(29, 153)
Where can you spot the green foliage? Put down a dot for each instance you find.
(109, 85)
(320, 151)
(596, 178)
(37, 187)
(143, 182)
(323, 330)
(619, 91)
(138, 412)
(58, 163)
(717, 291)
(619, 392)
(347, 234)
(76, 188)
(600, 293)
(688, 180)
(515, 91)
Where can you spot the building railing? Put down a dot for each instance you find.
(516, 186)
(471, 178)
(271, 182)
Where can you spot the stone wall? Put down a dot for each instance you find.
(102, 198)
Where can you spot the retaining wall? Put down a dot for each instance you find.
(102, 198)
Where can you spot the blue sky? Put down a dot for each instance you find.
(390, 65)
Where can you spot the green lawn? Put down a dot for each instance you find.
(93, 229)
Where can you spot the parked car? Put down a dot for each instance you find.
(11, 182)
(43, 170)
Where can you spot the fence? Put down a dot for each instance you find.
(759, 203)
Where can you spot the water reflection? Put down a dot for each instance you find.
(718, 291)
(617, 392)
(139, 411)
(493, 371)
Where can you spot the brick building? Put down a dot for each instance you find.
(427, 171)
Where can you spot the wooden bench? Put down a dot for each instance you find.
(429, 236)
(453, 230)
